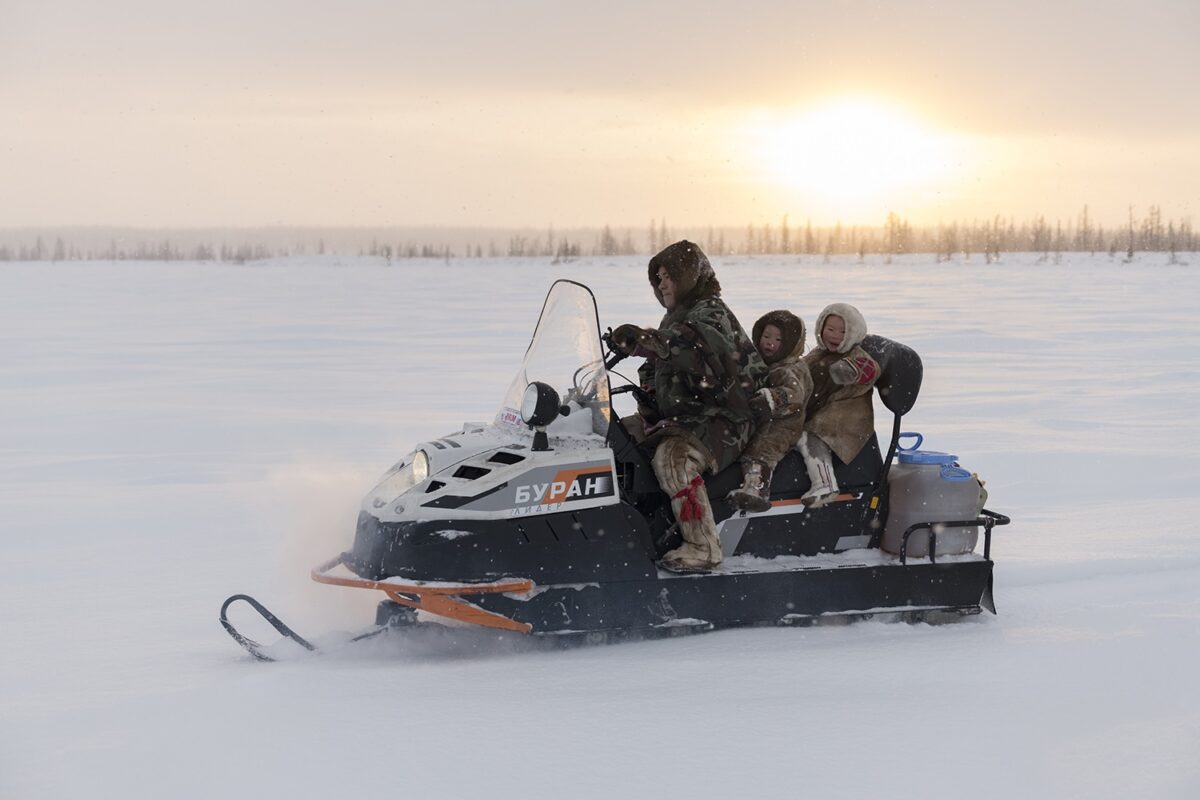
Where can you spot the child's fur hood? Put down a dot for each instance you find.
(792, 328)
(856, 326)
(690, 269)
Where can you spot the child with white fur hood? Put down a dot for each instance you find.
(840, 416)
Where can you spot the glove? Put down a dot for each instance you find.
(645, 400)
(762, 403)
(860, 370)
(625, 338)
(843, 372)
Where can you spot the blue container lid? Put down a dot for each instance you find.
(926, 457)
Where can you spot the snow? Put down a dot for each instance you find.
(451, 534)
(175, 433)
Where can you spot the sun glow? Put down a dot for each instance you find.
(854, 157)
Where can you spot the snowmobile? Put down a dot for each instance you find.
(549, 521)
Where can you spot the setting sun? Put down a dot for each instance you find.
(853, 157)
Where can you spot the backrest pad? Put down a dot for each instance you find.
(900, 372)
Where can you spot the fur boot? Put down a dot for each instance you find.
(755, 492)
(678, 466)
(818, 460)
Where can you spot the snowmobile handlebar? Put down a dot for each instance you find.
(644, 398)
(615, 356)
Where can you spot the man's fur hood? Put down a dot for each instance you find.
(856, 326)
(690, 269)
(792, 328)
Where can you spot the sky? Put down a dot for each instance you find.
(264, 112)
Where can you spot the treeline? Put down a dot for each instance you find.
(62, 249)
(988, 238)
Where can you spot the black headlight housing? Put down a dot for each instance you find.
(540, 406)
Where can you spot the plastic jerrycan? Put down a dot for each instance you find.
(928, 486)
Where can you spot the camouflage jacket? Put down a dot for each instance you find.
(703, 370)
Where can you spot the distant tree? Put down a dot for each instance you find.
(627, 247)
(566, 251)
(994, 237)
(1129, 252)
(608, 243)
(948, 236)
(766, 243)
(1153, 235)
(891, 235)
(1041, 238)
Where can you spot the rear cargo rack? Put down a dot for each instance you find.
(987, 519)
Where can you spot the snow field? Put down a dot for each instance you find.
(178, 432)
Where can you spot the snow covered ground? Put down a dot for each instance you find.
(174, 433)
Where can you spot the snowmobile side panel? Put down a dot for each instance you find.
(790, 528)
(609, 542)
(730, 600)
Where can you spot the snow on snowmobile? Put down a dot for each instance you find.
(549, 521)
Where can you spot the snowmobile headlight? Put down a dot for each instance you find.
(400, 478)
(541, 405)
(420, 466)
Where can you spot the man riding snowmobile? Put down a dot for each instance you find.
(701, 371)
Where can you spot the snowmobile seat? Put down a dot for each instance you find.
(900, 373)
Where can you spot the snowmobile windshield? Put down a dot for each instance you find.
(566, 354)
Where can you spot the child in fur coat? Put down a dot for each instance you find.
(840, 416)
(778, 406)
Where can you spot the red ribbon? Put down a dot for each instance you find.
(692, 509)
